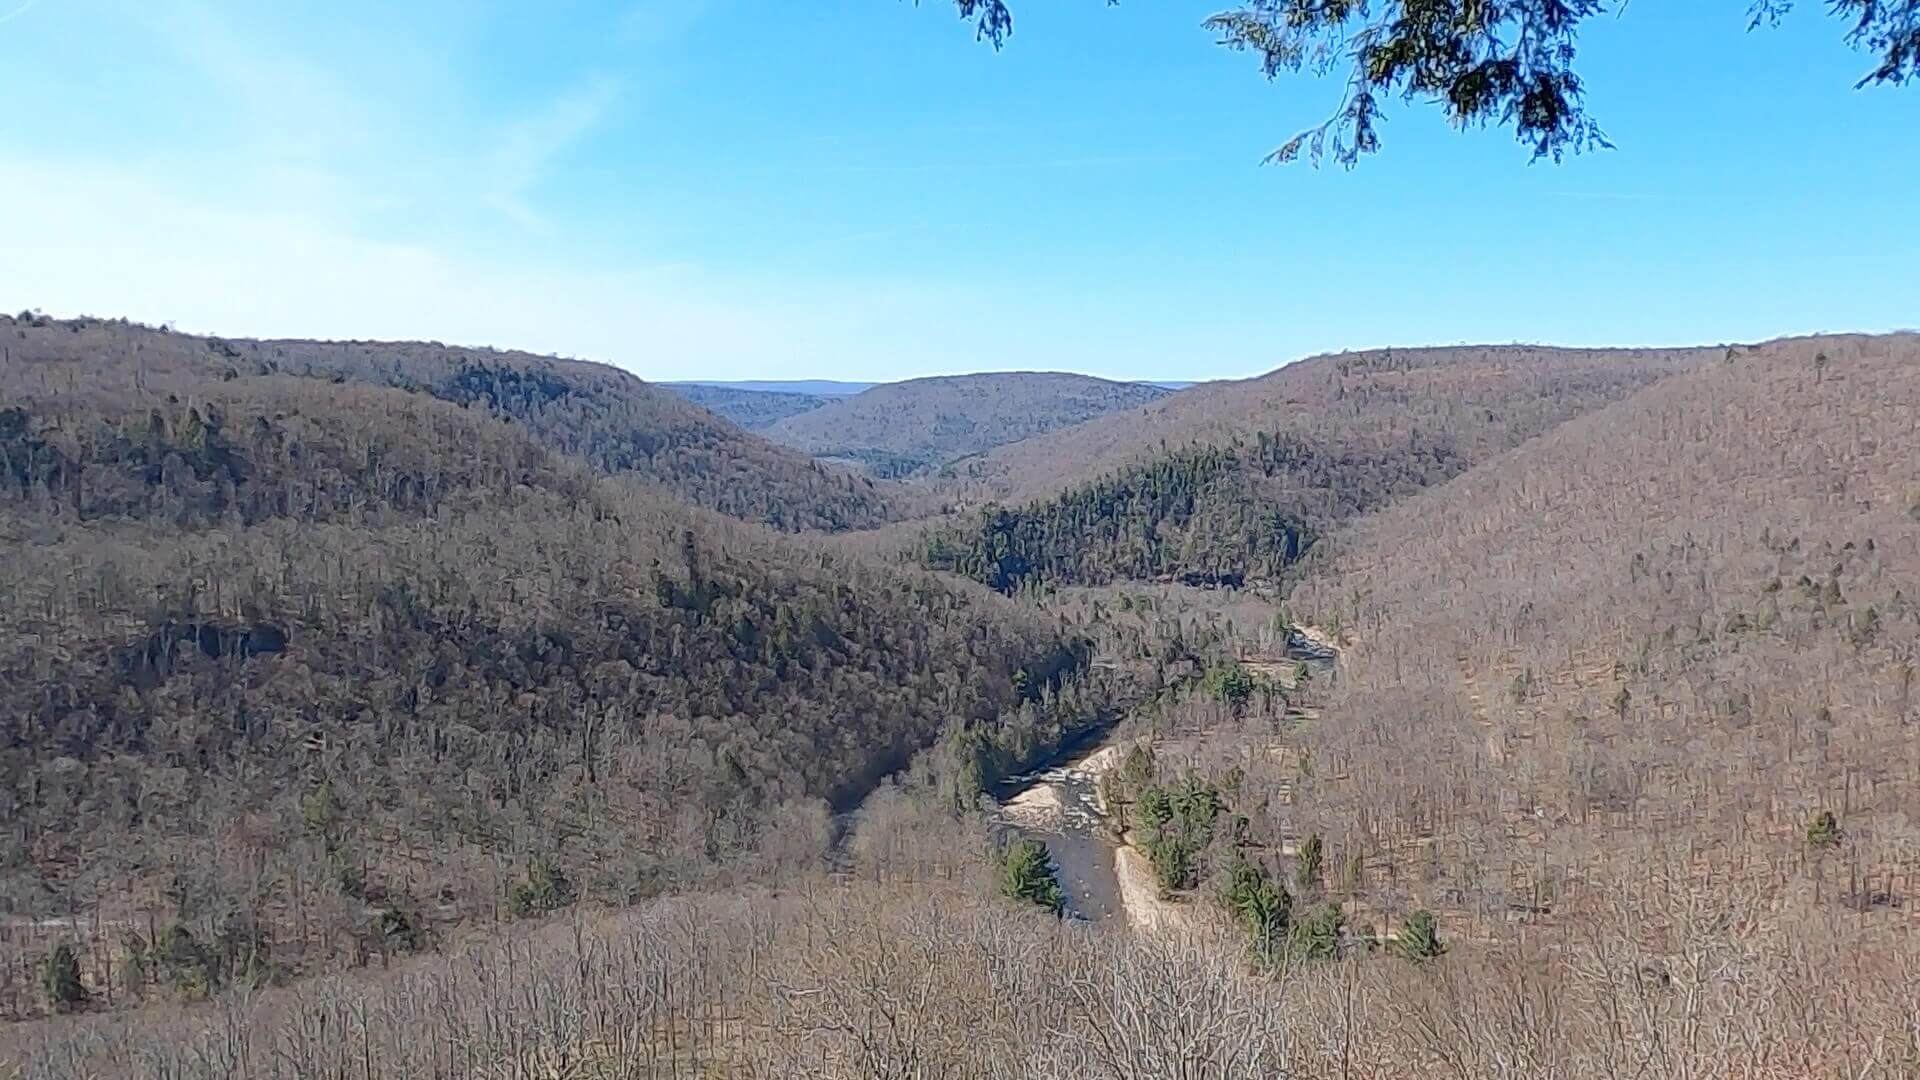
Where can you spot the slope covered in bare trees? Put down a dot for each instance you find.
(751, 409)
(1235, 481)
(897, 428)
(937, 978)
(600, 414)
(1612, 773)
(1371, 395)
(295, 668)
(1685, 623)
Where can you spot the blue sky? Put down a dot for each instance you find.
(856, 189)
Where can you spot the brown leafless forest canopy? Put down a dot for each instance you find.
(370, 660)
(938, 979)
(1483, 397)
(612, 420)
(751, 409)
(899, 427)
(1685, 619)
(280, 654)
(1235, 482)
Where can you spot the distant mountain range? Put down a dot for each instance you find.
(894, 429)
(898, 428)
(751, 409)
(810, 387)
(838, 388)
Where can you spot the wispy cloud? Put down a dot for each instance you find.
(284, 101)
(104, 241)
(530, 146)
(284, 179)
(296, 117)
(22, 9)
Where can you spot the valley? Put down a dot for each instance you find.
(1423, 680)
(991, 540)
(1064, 804)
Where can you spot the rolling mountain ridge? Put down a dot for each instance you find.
(598, 413)
(898, 428)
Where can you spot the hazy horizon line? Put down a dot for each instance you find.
(8, 311)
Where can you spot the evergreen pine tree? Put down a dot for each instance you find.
(1260, 905)
(60, 979)
(1419, 938)
(1317, 937)
(1026, 873)
(1172, 861)
(1152, 811)
(1306, 876)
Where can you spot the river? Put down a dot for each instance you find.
(1059, 805)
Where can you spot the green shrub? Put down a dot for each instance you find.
(1139, 767)
(1026, 873)
(396, 931)
(1172, 859)
(1153, 811)
(320, 810)
(190, 966)
(1230, 684)
(1419, 938)
(1260, 905)
(1176, 825)
(1306, 876)
(348, 869)
(1195, 804)
(1317, 936)
(60, 979)
(1824, 830)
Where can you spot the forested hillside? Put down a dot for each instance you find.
(300, 662)
(1607, 773)
(600, 414)
(1682, 627)
(897, 428)
(1384, 392)
(295, 667)
(1234, 481)
(937, 979)
(403, 710)
(751, 409)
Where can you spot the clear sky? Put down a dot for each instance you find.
(856, 189)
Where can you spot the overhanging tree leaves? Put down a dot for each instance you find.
(1510, 63)
(1506, 62)
(991, 19)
